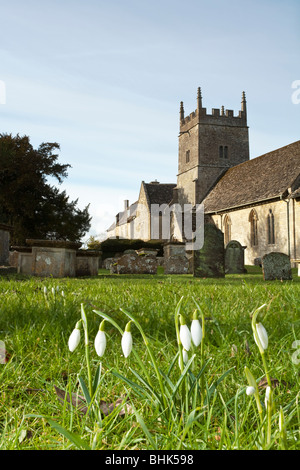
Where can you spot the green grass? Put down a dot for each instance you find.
(36, 329)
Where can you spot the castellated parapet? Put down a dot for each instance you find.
(217, 116)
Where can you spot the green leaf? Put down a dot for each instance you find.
(74, 438)
(97, 379)
(148, 386)
(144, 428)
(213, 387)
(85, 390)
(184, 372)
(138, 389)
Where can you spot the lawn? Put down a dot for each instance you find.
(149, 400)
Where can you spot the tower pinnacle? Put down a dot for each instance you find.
(199, 98)
(181, 111)
(244, 105)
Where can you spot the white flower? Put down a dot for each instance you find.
(126, 342)
(262, 336)
(74, 339)
(267, 397)
(196, 332)
(45, 290)
(185, 337)
(250, 390)
(100, 343)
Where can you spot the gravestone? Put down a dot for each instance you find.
(209, 261)
(234, 258)
(175, 259)
(4, 244)
(132, 263)
(276, 265)
(53, 258)
(87, 262)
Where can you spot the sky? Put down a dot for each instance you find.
(104, 79)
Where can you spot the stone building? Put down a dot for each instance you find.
(254, 201)
(138, 221)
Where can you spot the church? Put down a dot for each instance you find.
(254, 201)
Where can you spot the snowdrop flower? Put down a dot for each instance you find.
(74, 338)
(268, 396)
(261, 336)
(127, 340)
(185, 334)
(45, 290)
(100, 340)
(250, 390)
(196, 330)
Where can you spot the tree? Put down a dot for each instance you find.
(28, 202)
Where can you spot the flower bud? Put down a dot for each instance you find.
(261, 338)
(74, 338)
(126, 342)
(185, 334)
(196, 332)
(268, 396)
(100, 340)
(250, 390)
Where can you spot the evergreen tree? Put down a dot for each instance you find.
(28, 202)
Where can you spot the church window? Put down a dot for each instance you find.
(271, 228)
(187, 156)
(227, 229)
(223, 151)
(253, 228)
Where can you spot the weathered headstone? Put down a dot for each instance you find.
(25, 262)
(175, 259)
(234, 258)
(209, 261)
(276, 265)
(87, 262)
(132, 263)
(4, 244)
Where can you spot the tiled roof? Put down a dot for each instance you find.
(265, 177)
(159, 193)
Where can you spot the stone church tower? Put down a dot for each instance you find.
(209, 144)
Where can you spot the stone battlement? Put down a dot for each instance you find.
(218, 116)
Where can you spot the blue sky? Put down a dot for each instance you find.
(104, 79)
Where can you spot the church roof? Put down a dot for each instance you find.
(266, 177)
(159, 193)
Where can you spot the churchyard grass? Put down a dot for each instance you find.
(35, 328)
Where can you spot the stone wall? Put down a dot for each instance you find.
(240, 229)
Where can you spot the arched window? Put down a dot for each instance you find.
(271, 228)
(227, 229)
(253, 228)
